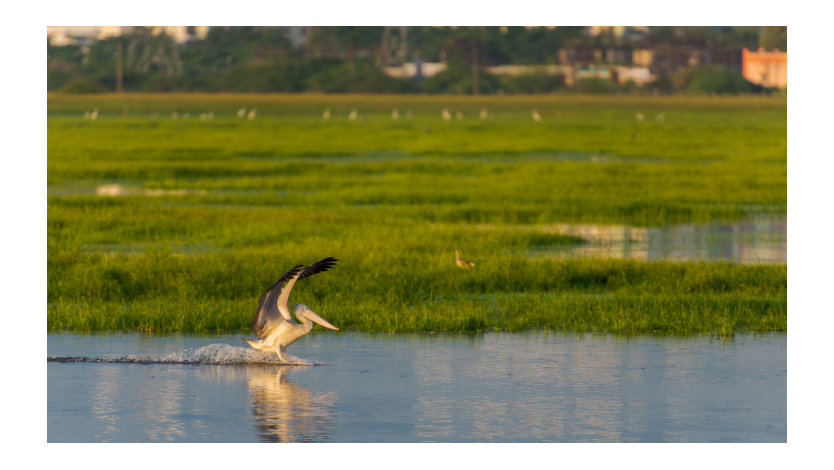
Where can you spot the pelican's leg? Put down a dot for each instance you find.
(281, 356)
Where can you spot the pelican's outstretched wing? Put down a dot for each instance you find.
(315, 268)
(267, 305)
(273, 303)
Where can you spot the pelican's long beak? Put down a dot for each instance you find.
(321, 321)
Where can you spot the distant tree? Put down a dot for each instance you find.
(62, 65)
(595, 86)
(82, 86)
(737, 37)
(359, 78)
(147, 53)
(520, 45)
(774, 37)
(662, 85)
(345, 41)
(532, 83)
(712, 79)
(225, 47)
(469, 46)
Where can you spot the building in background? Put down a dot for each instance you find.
(768, 69)
(71, 35)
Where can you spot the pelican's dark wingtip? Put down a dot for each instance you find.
(318, 267)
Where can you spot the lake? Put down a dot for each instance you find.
(495, 387)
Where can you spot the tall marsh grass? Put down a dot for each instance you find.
(211, 212)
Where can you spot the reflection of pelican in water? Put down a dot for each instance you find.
(285, 412)
(273, 324)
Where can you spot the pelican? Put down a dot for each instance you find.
(353, 115)
(484, 114)
(639, 116)
(446, 115)
(462, 262)
(536, 116)
(395, 114)
(273, 324)
(94, 115)
(241, 112)
(326, 114)
(252, 114)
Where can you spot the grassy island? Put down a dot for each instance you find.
(169, 213)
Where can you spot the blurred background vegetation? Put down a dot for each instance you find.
(350, 60)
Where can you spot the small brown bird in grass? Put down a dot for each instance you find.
(462, 262)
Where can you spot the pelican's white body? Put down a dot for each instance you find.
(281, 333)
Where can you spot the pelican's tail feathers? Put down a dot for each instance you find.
(255, 344)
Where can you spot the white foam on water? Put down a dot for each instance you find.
(218, 353)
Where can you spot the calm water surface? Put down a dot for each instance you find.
(756, 239)
(418, 388)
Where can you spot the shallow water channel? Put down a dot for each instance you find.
(536, 387)
(755, 239)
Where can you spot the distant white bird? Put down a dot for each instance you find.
(661, 117)
(241, 112)
(273, 323)
(94, 115)
(353, 115)
(395, 114)
(535, 115)
(484, 114)
(462, 263)
(252, 114)
(459, 115)
(446, 115)
(326, 114)
(639, 116)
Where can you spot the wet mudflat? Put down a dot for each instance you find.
(535, 387)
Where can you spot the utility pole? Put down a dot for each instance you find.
(119, 67)
(476, 89)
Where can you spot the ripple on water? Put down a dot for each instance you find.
(218, 353)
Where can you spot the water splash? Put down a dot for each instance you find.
(218, 353)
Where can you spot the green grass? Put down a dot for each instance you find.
(214, 211)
